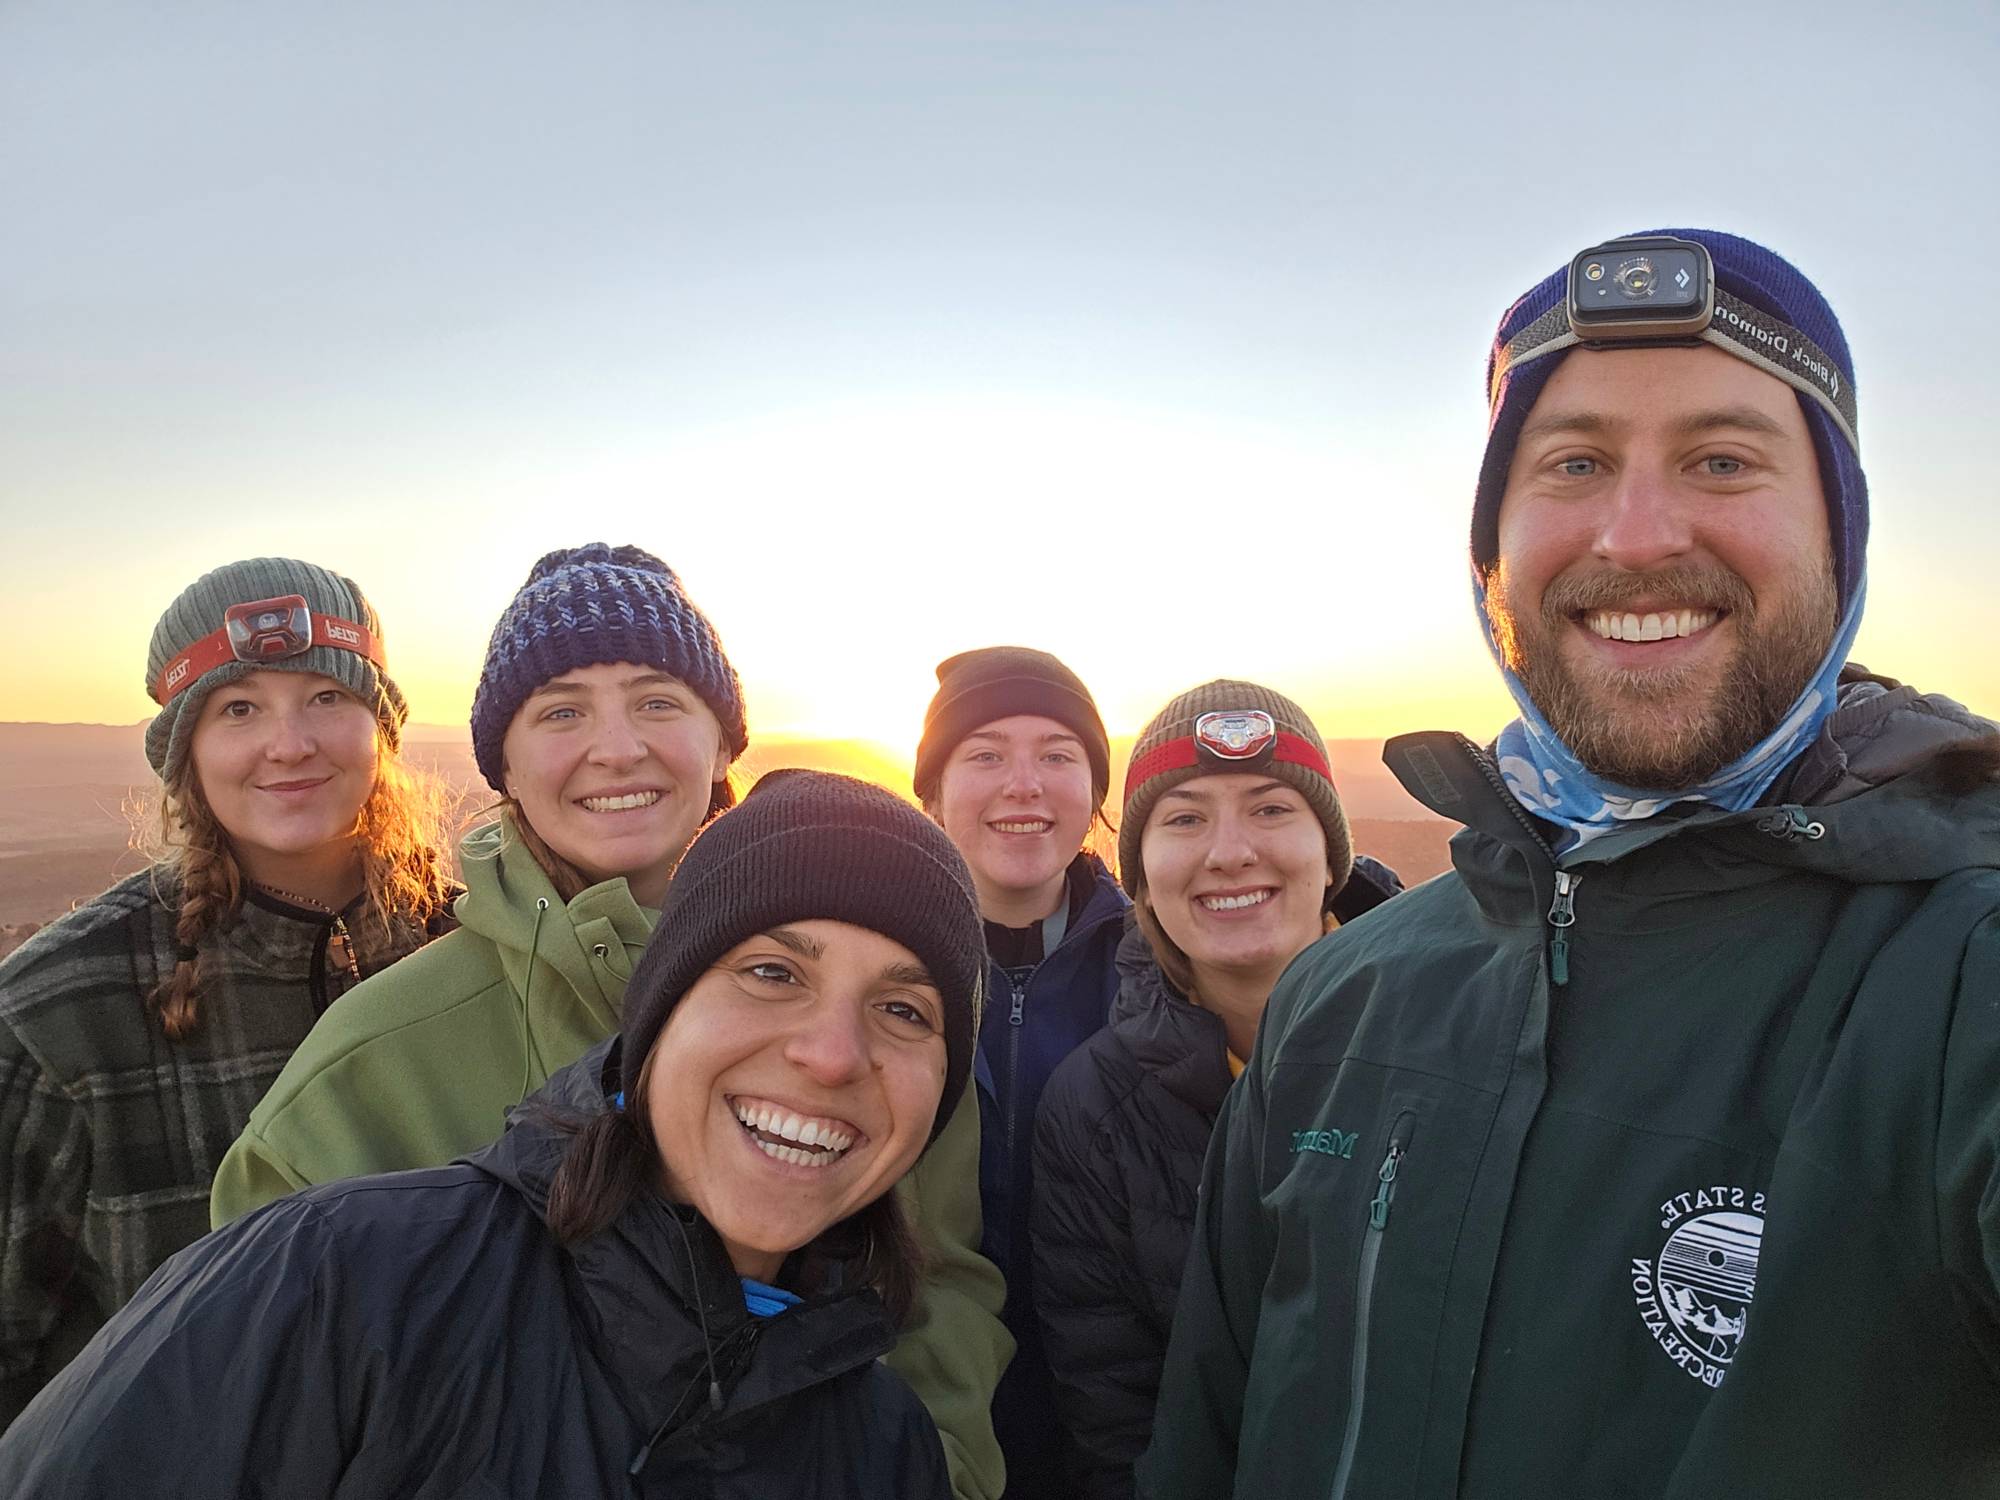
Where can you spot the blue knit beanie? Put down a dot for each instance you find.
(586, 605)
(1745, 270)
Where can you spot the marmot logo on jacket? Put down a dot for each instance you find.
(1326, 1142)
(1694, 1296)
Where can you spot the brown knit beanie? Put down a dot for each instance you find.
(997, 682)
(1223, 727)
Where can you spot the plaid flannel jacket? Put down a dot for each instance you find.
(109, 1132)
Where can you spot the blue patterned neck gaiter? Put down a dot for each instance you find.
(1553, 784)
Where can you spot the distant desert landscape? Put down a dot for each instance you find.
(72, 797)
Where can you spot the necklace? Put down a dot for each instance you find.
(339, 945)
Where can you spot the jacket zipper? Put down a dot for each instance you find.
(1016, 1019)
(1562, 917)
(1364, 1298)
(1562, 910)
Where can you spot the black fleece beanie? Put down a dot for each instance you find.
(805, 846)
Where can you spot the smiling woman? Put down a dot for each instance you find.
(1236, 850)
(137, 1032)
(676, 1272)
(1014, 764)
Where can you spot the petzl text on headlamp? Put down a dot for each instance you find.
(1652, 289)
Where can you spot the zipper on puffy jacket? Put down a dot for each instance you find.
(1562, 917)
(1016, 1019)
(1364, 1297)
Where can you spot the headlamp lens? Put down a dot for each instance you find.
(1636, 277)
(269, 629)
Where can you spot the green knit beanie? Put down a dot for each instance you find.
(1228, 727)
(345, 635)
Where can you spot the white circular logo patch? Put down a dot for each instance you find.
(1694, 1296)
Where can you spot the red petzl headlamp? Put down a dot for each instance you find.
(1239, 739)
(264, 631)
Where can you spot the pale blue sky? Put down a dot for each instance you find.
(1148, 333)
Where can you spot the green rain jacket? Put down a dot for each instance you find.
(421, 1063)
(1668, 1168)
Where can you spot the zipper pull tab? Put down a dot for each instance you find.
(1790, 823)
(1562, 917)
(1378, 1210)
(1020, 994)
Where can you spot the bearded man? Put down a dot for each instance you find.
(1676, 1104)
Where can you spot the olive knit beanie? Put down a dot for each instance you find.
(585, 605)
(997, 682)
(805, 846)
(1223, 727)
(195, 650)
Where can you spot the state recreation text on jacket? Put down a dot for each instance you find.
(423, 1335)
(1693, 1189)
(422, 1063)
(1036, 1015)
(1119, 1143)
(113, 1131)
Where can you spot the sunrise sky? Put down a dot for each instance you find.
(1148, 334)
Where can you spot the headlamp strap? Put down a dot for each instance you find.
(1177, 755)
(215, 648)
(1735, 327)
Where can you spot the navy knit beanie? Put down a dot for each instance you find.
(1747, 271)
(586, 605)
(812, 846)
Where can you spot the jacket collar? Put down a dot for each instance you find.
(1900, 787)
(1185, 1047)
(551, 954)
(270, 935)
(1106, 903)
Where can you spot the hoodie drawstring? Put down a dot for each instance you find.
(527, 993)
(707, 1348)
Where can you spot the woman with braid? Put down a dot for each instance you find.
(137, 1032)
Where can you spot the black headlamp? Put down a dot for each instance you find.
(1655, 289)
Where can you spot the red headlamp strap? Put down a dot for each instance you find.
(1179, 754)
(215, 648)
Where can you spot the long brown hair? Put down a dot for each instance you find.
(397, 832)
(614, 1157)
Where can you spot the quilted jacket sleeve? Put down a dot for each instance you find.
(1099, 1339)
(1193, 1451)
(228, 1340)
(956, 1346)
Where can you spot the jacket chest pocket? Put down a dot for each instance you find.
(1366, 1189)
(1336, 1167)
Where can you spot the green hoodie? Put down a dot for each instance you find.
(1517, 1153)
(421, 1063)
